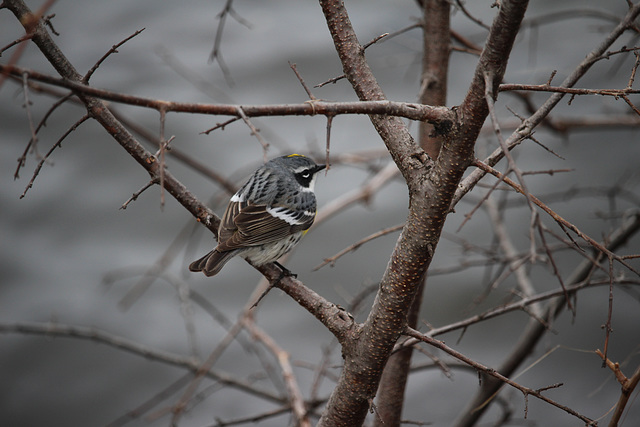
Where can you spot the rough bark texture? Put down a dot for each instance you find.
(431, 187)
(436, 48)
(433, 91)
(535, 329)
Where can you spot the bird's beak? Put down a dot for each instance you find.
(319, 168)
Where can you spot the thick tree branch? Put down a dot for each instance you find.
(493, 59)
(431, 187)
(382, 107)
(328, 313)
(433, 91)
(436, 35)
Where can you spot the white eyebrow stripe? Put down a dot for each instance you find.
(302, 169)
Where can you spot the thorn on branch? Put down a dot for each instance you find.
(377, 39)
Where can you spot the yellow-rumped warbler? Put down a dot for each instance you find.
(268, 216)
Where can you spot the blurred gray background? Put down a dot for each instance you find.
(60, 242)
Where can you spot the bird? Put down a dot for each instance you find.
(267, 216)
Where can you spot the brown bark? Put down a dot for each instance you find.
(435, 66)
(433, 91)
(431, 188)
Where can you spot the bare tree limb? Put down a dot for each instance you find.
(535, 329)
(413, 111)
(93, 334)
(436, 47)
(526, 391)
(431, 186)
(628, 385)
(525, 129)
(331, 315)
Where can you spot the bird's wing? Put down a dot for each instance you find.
(255, 225)
(227, 223)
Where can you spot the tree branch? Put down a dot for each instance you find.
(535, 329)
(93, 334)
(526, 391)
(329, 314)
(431, 187)
(526, 127)
(433, 91)
(407, 110)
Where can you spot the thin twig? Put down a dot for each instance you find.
(488, 79)
(137, 194)
(373, 41)
(149, 404)
(220, 125)
(216, 54)
(332, 260)
(30, 24)
(505, 87)
(328, 143)
(27, 106)
(93, 334)
(460, 5)
(296, 399)
(526, 391)
(628, 385)
(301, 80)
(254, 131)
(559, 219)
(23, 159)
(114, 49)
(556, 272)
(409, 110)
(56, 145)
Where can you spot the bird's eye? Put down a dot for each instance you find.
(305, 174)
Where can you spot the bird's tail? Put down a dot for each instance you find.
(212, 263)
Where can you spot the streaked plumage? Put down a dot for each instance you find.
(268, 216)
